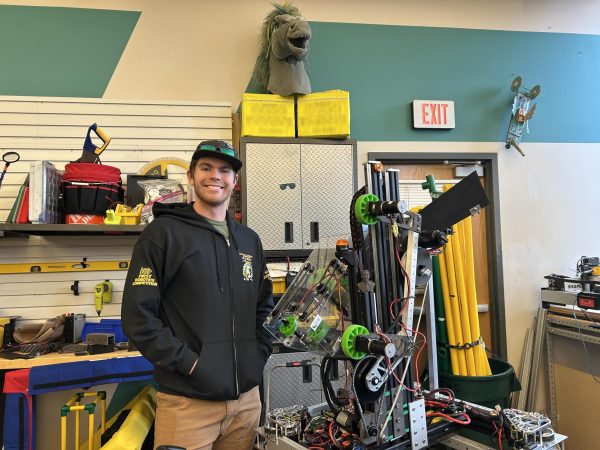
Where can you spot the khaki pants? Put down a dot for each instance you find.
(204, 425)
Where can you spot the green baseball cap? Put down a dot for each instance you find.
(218, 149)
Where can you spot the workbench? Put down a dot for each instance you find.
(60, 358)
(25, 379)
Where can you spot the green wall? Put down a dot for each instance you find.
(386, 67)
(61, 52)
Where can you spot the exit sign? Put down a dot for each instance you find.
(433, 114)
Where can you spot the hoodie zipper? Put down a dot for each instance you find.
(235, 362)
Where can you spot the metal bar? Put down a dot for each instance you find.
(463, 443)
(410, 265)
(391, 195)
(431, 338)
(538, 343)
(379, 235)
(571, 322)
(551, 378)
(520, 397)
(574, 335)
(369, 171)
(481, 308)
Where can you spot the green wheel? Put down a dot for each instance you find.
(361, 209)
(316, 336)
(288, 326)
(348, 341)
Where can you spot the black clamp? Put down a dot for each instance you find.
(466, 346)
(75, 287)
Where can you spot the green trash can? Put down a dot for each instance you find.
(488, 390)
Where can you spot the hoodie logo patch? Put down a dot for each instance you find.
(145, 278)
(247, 271)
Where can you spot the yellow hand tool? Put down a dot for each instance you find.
(102, 294)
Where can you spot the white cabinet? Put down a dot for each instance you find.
(297, 192)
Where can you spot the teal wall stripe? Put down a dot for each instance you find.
(61, 52)
(386, 67)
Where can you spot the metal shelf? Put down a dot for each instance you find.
(24, 230)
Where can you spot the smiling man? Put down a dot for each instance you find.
(195, 297)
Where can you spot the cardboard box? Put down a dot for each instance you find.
(324, 115)
(268, 115)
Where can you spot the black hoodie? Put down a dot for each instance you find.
(190, 295)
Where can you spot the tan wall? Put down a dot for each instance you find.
(205, 49)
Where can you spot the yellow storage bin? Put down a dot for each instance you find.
(124, 215)
(268, 115)
(130, 216)
(324, 115)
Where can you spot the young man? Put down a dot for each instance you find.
(195, 297)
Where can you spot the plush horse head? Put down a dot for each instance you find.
(284, 46)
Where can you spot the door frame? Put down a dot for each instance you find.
(489, 161)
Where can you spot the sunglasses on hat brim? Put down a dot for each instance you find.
(214, 148)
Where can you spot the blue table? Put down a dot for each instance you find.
(22, 385)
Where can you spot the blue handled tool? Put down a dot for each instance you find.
(8, 158)
(90, 151)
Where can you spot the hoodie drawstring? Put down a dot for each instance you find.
(217, 261)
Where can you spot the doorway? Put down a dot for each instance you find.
(413, 168)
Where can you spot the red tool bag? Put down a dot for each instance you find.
(89, 188)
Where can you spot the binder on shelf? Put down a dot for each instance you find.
(22, 215)
(44, 188)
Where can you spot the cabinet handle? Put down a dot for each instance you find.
(289, 232)
(314, 232)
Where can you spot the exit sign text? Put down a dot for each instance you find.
(433, 114)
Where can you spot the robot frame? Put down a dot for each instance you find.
(354, 306)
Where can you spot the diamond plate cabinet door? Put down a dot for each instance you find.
(327, 190)
(273, 197)
(297, 192)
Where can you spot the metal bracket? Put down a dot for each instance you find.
(418, 424)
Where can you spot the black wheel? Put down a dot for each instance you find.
(535, 91)
(516, 84)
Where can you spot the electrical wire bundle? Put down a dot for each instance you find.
(445, 407)
(323, 433)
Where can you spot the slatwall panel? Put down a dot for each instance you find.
(54, 129)
(37, 296)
